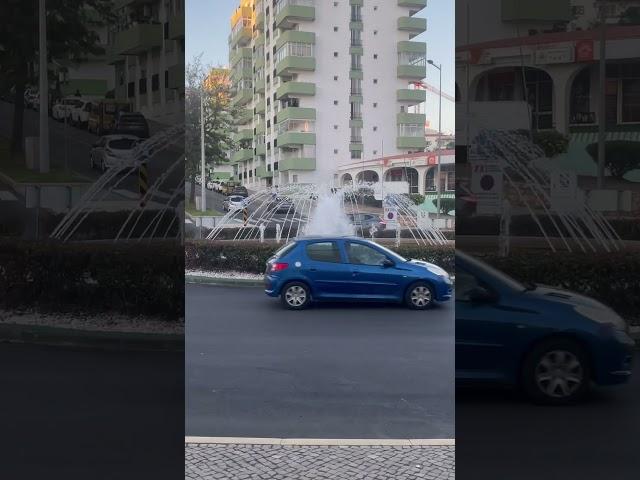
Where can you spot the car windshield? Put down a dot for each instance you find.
(122, 144)
(501, 277)
(391, 253)
(236, 199)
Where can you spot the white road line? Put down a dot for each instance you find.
(354, 442)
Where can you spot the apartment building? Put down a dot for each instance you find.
(146, 48)
(324, 84)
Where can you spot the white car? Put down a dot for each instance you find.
(114, 151)
(198, 179)
(80, 113)
(62, 110)
(233, 203)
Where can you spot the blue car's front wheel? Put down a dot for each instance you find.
(296, 296)
(419, 296)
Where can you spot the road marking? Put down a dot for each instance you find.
(353, 442)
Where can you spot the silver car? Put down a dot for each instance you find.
(114, 150)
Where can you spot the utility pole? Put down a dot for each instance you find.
(43, 160)
(603, 95)
(438, 183)
(203, 184)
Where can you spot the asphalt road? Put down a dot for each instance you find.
(499, 435)
(333, 371)
(79, 414)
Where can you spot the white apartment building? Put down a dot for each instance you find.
(325, 83)
(146, 47)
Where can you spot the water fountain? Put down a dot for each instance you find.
(524, 169)
(297, 210)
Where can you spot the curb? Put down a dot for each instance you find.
(337, 442)
(69, 337)
(223, 282)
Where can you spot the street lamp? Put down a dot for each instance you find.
(439, 67)
(203, 184)
(43, 160)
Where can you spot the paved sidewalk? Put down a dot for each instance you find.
(280, 462)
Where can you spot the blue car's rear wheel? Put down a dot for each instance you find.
(295, 296)
(419, 296)
(556, 372)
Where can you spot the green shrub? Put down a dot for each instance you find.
(552, 142)
(446, 204)
(417, 198)
(621, 156)
(128, 278)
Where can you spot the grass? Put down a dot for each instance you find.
(14, 167)
(191, 210)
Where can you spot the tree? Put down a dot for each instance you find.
(446, 204)
(621, 156)
(70, 35)
(220, 116)
(552, 142)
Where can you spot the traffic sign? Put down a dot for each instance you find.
(487, 184)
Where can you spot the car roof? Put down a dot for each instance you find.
(331, 237)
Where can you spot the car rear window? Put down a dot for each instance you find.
(236, 199)
(285, 250)
(324, 252)
(122, 144)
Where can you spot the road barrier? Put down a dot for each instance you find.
(143, 182)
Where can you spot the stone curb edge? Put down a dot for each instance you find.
(101, 340)
(224, 282)
(338, 442)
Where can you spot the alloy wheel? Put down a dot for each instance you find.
(559, 374)
(421, 296)
(295, 296)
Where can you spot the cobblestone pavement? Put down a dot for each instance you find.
(279, 462)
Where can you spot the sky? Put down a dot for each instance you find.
(207, 29)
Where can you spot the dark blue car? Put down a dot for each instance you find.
(346, 268)
(553, 343)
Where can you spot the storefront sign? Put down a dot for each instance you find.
(584, 51)
(556, 54)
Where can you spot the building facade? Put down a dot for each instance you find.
(324, 83)
(146, 48)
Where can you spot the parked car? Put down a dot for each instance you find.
(132, 124)
(233, 203)
(551, 342)
(80, 113)
(281, 205)
(364, 221)
(209, 185)
(62, 109)
(227, 188)
(352, 269)
(114, 150)
(215, 185)
(240, 190)
(103, 115)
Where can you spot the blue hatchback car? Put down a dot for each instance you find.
(553, 343)
(350, 268)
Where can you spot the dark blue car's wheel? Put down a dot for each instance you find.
(557, 372)
(296, 295)
(419, 296)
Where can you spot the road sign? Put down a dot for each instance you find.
(143, 182)
(391, 217)
(564, 190)
(486, 184)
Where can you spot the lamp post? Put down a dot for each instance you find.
(439, 67)
(203, 181)
(43, 160)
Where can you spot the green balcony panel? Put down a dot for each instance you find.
(411, 142)
(356, 74)
(420, 4)
(260, 107)
(291, 139)
(244, 134)
(411, 118)
(412, 72)
(259, 86)
(289, 65)
(260, 129)
(239, 73)
(243, 97)
(291, 15)
(295, 89)
(260, 21)
(176, 76)
(259, 62)
(413, 47)
(138, 39)
(242, 37)
(262, 172)
(259, 40)
(242, 155)
(306, 164)
(356, 122)
(176, 26)
(552, 11)
(356, 2)
(261, 150)
(414, 25)
(412, 97)
(239, 54)
(296, 113)
(355, 147)
(356, 50)
(355, 98)
(355, 26)
(296, 37)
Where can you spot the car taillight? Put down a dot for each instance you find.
(278, 266)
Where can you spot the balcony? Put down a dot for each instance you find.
(176, 76)
(296, 113)
(413, 143)
(244, 134)
(293, 163)
(415, 4)
(292, 12)
(295, 89)
(290, 65)
(241, 33)
(259, 61)
(412, 72)
(242, 71)
(260, 20)
(240, 54)
(261, 150)
(355, 146)
(411, 118)
(260, 107)
(138, 39)
(411, 97)
(176, 26)
(242, 155)
(413, 25)
(296, 139)
(261, 172)
(260, 129)
(243, 97)
(355, 98)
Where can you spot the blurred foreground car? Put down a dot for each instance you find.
(352, 269)
(551, 342)
(114, 150)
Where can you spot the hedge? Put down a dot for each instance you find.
(611, 278)
(131, 278)
(251, 257)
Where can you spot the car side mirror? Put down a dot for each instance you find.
(386, 263)
(480, 295)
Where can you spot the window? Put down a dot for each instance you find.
(356, 111)
(375, 32)
(335, 54)
(631, 100)
(142, 86)
(356, 86)
(356, 38)
(295, 179)
(375, 80)
(166, 30)
(335, 77)
(356, 62)
(356, 134)
(375, 129)
(131, 89)
(335, 127)
(356, 154)
(465, 283)
(335, 150)
(416, 59)
(375, 105)
(375, 56)
(335, 102)
(166, 79)
(294, 49)
(335, 29)
(360, 254)
(155, 82)
(410, 130)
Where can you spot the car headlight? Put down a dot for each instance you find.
(436, 270)
(602, 315)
